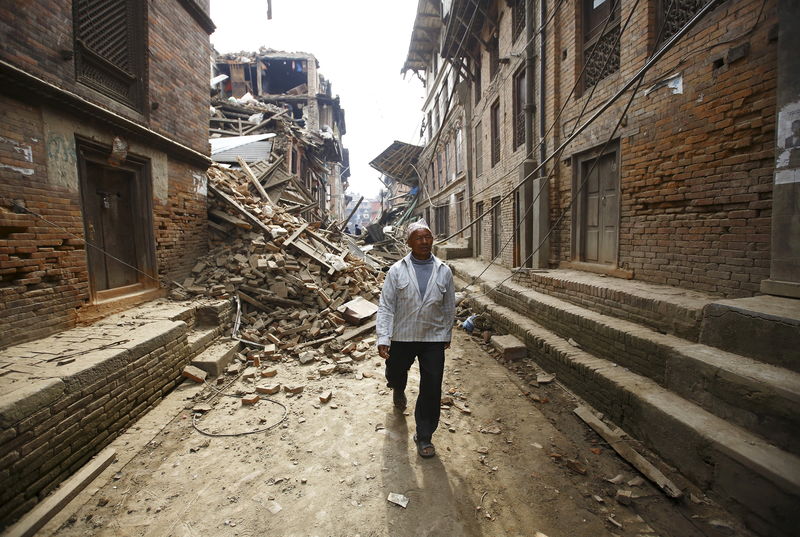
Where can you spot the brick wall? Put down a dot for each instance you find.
(44, 281)
(498, 180)
(35, 32)
(181, 224)
(43, 277)
(179, 71)
(82, 416)
(695, 168)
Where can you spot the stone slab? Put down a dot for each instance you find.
(739, 469)
(509, 347)
(216, 358)
(766, 328)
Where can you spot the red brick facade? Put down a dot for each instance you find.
(695, 167)
(689, 172)
(44, 276)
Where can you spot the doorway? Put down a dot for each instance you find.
(597, 229)
(117, 220)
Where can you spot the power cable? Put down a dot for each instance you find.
(546, 181)
(639, 79)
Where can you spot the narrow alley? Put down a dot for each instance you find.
(228, 228)
(334, 452)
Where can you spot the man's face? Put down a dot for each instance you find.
(421, 242)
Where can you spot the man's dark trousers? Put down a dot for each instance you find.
(431, 369)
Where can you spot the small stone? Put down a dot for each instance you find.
(327, 370)
(250, 373)
(268, 389)
(623, 497)
(636, 481)
(545, 378)
(325, 396)
(295, 389)
(483, 450)
(576, 466)
(202, 408)
(307, 357)
(270, 372)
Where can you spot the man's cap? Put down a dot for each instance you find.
(414, 226)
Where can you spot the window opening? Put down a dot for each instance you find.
(110, 48)
(495, 126)
(519, 107)
(605, 58)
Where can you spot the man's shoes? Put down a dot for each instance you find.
(399, 399)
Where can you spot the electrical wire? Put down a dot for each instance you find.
(546, 181)
(657, 54)
(222, 393)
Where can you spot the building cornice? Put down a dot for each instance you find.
(199, 15)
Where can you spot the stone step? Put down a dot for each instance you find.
(216, 358)
(741, 470)
(201, 338)
(667, 309)
(766, 328)
(762, 398)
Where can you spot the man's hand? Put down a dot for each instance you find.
(383, 350)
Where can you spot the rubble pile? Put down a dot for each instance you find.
(297, 284)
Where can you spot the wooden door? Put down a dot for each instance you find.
(600, 215)
(109, 215)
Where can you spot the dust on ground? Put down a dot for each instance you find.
(506, 464)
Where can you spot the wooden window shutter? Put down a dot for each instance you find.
(109, 45)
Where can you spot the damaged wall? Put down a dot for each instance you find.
(44, 275)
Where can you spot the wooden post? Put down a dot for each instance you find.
(346, 220)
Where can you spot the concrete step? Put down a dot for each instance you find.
(667, 309)
(762, 398)
(766, 328)
(741, 470)
(216, 358)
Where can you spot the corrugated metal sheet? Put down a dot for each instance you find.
(251, 148)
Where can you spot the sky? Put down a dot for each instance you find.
(361, 46)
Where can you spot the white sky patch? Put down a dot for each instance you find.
(361, 46)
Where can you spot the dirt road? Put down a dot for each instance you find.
(327, 469)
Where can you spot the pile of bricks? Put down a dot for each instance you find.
(293, 280)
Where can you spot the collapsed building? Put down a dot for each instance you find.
(284, 93)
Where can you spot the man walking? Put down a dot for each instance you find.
(415, 321)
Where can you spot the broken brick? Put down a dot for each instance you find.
(194, 373)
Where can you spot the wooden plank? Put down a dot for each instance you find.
(316, 342)
(222, 215)
(353, 332)
(37, 517)
(615, 440)
(268, 299)
(252, 301)
(325, 241)
(236, 205)
(355, 208)
(249, 173)
(294, 235)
